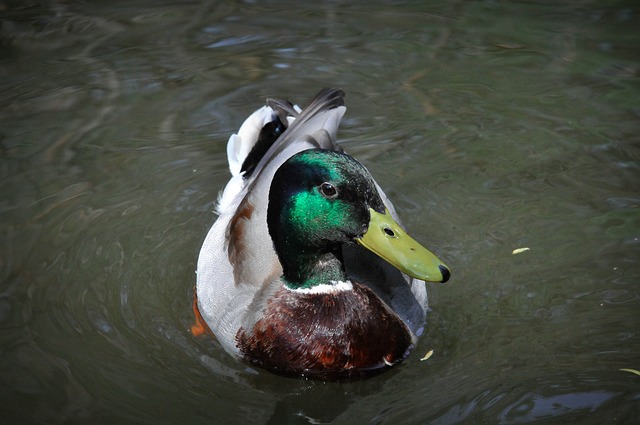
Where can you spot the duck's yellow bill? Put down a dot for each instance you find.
(387, 239)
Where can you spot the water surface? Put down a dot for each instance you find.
(491, 126)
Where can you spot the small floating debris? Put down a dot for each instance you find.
(520, 250)
(426, 356)
(510, 46)
(637, 372)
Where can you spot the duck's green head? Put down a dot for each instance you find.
(320, 200)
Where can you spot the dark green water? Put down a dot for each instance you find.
(492, 126)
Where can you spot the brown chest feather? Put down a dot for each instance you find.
(335, 335)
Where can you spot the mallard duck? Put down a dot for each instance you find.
(307, 270)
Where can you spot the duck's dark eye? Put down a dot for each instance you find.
(328, 190)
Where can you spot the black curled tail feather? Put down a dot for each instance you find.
(284, 109)
(328, 98)
(268, 135)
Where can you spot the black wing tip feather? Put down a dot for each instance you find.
(327, 98)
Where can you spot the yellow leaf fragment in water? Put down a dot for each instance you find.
(520, 250)
(637, 372)
(426, 356)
